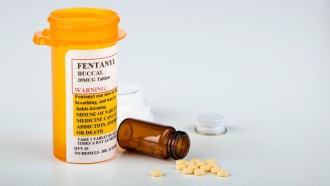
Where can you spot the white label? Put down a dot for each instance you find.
(91, 106)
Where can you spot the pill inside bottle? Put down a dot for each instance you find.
(152, 139)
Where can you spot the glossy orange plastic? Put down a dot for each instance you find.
(74, 29)
(80, 26)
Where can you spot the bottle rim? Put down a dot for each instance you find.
(74, 18)
(178, 145)
(80, 26)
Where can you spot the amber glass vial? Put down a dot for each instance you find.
(152, 139)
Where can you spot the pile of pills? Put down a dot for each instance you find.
(196, 167)
(199, 168)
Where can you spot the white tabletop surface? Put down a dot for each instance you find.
(263, 64)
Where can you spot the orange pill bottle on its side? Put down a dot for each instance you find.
(84, 78)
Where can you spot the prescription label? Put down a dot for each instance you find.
(91, 104)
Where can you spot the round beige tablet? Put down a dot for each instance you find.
(214, 170)
(212, 164)
(199, 172)
(222, 173)
(206, 168)
(180, 162)
(189, 163)
(180, 166)
(192, 166)
(156, 173)
(187, 171)
(199, 164)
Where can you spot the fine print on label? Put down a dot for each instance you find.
(91, 106)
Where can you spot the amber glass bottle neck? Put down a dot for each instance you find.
(178, 145)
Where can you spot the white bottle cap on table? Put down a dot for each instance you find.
(211, 124)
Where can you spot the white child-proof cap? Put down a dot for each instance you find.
(211, 124)
(131, 103)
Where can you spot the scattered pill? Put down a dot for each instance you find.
(180, 166)
(156, 173)
(192, 166)
(214, 170)
(222, 173)
(206, 168)
(180, 162)
(199, 172)
(187, 171)
(199, 164)
(212, 165)
(190, 163)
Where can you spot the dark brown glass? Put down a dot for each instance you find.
(152, 139)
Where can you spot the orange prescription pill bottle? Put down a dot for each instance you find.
(84, 77)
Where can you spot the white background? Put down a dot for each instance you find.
(263, 64)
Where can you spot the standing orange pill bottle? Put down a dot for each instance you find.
(84, 77)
